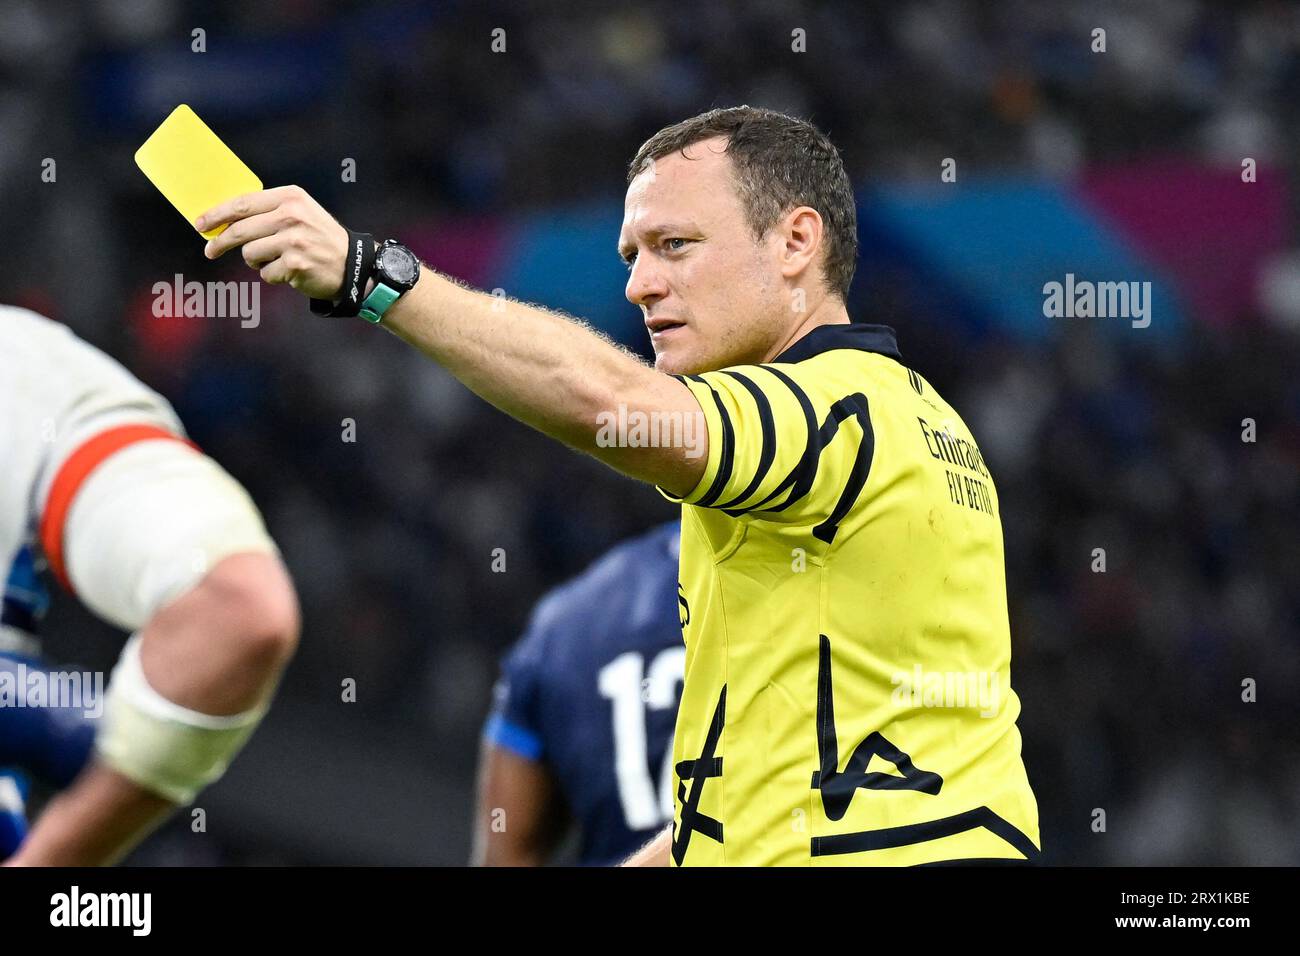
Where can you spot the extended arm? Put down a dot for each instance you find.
(547, 370)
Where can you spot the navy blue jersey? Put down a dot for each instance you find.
(591, 690)
(49, 740)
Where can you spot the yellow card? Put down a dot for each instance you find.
(192, 168)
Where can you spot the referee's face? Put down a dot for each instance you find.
(711, 293)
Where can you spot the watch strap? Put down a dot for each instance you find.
(377, 303)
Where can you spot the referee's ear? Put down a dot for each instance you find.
(801, 231)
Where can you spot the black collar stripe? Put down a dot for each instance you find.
(853, 335)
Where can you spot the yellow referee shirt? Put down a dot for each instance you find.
(843, 601)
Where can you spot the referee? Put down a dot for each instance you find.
(847, 695)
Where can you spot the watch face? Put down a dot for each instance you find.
(399, 263)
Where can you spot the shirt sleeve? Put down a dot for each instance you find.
(783, 443)
(514, 722)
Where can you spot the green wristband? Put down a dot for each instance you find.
(378, 302)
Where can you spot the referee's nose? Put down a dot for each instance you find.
(646, 284)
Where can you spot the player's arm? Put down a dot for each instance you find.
(518, 817)
(187, 565)
(520, 814)
(654, 853)
(545, 369)
(216, 651)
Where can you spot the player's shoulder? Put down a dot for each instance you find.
(47, 344)
(63, 370)
(622, 601)
(609, 585)
(19, 326)
(19, 314)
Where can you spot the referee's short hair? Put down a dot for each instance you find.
(779, 162)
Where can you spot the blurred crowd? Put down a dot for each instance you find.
(1131, 677)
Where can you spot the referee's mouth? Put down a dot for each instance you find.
(662, 329)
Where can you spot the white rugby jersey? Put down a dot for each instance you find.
(56, 393)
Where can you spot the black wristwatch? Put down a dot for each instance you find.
(396, 271)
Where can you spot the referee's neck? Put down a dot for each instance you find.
(829, 311)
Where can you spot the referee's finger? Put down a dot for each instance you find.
(241, 207)
(275, 273)
(242, 231)
(261, 251)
